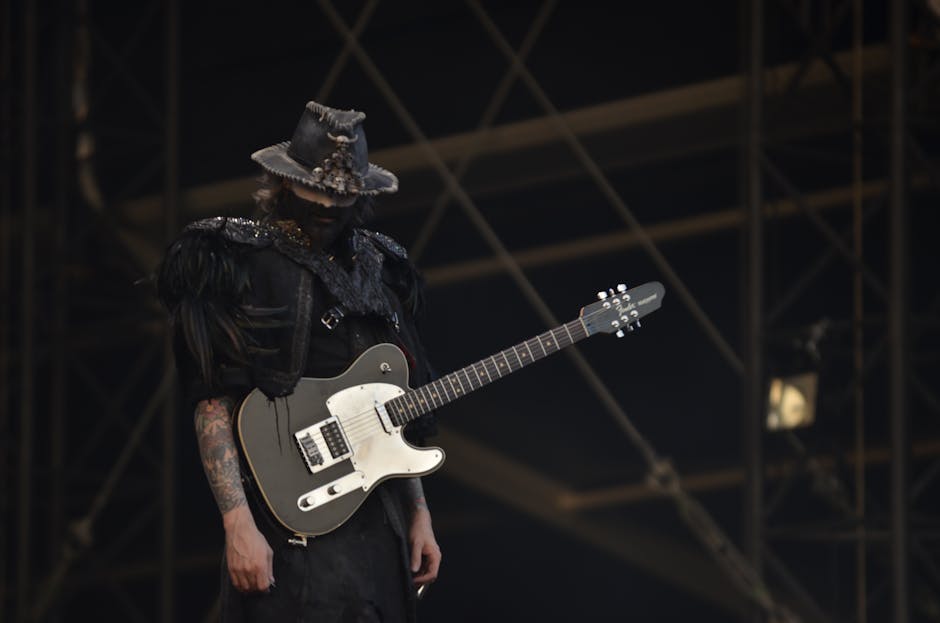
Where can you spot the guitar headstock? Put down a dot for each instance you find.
(620, 309)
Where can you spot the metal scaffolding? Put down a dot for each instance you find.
(67, 314)
(857, 521)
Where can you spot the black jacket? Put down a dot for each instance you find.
(246, 299)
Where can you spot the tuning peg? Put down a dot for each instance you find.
(619, 333)
(621, 287)
(637, 323)
(602, 295)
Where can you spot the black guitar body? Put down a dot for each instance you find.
(318, 453)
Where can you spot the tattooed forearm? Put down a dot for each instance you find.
(217, 449)
(414, 494)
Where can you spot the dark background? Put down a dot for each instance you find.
(110, 146)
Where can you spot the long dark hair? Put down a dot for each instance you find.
(272, 189)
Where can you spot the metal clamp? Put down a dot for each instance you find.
(298, 540)
(332, 316)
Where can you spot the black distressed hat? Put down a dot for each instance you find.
(328, 152)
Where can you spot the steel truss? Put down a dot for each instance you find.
(856, 515)
(84, 450)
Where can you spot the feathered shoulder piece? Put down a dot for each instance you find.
(401, 274)
(202, 280)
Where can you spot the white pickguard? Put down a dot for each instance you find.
(376, 453)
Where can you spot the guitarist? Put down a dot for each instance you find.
(301, 291)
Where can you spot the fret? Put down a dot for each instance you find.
(568, 332)
(506, 359)
(551, 334)
(426, 403)
(425, 400)
(437, 390)
(452, 386)
(531, 357)
(450, 393)
(403, 414)
(441, 391)
(470, 379)
(555, 337)
(456, 376)
(542, 346)
(399, 412)
(421, 403)
(479, 379)
(516, 353)
(496, 367)
(412, 404)
(403, 411)
(392, 411)
(580, 331)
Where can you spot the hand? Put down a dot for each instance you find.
(249, 558)
(425, 553)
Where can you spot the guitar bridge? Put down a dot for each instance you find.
(322, 444)
(308, 450)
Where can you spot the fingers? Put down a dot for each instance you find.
(432, 564)
(266, 577)
(416, 548)
(240, 580)
(258, 579)
(257, 582)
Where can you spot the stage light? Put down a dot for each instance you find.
(791, 401)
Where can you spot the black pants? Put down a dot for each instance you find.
(355, 574)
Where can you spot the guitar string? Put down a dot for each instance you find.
(365, 424)
(361, 426)
(360, 421)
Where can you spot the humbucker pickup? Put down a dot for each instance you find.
(335, 442)
(322, 444)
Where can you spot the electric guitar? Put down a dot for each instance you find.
(343, 435)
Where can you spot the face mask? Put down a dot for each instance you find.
(323, 224)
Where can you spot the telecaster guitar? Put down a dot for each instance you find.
(337, 438)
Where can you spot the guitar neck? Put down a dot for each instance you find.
(444, 390)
